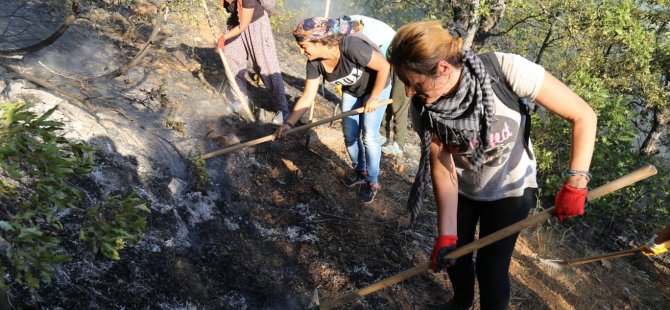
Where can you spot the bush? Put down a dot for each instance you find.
(35, 166)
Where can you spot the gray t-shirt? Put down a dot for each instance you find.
(351, 72)
(509, 169)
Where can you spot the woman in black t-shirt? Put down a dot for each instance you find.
(363, 73)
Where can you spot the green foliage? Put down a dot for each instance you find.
(116, 223)
(176, 125)
(35, 165)
(398, 13)
(201, 173)
(282, 20)
(614, 54)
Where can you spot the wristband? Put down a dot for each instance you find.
(571, 172)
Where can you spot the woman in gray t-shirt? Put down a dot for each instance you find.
(363, 73)
(481, 173)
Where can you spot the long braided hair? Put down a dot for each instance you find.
(463, 118)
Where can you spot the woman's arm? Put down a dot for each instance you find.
(245, 15)
(301, 106)
(379, 64)
(445, 187)
(558, 98)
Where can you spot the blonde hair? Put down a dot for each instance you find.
(419, 47)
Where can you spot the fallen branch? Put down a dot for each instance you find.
(52, 38)
(160, 20)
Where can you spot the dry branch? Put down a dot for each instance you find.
(51, 39)
(160, 20)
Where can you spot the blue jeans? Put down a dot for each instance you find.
(362, 142)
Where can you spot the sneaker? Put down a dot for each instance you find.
(382, 140)
(279, 118)
(392, 149)
(368, 192)
(236, 106)
(354, 178)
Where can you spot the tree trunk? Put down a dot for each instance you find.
(489, 23)
(478, 27)
(658, 127)
(472, 26)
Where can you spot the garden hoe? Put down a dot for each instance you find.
(560, 264)
(244, 100)
(290, 131)
(628, 179)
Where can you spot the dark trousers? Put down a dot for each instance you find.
(492, 261)
(395, 117)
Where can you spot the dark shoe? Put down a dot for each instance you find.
(383, 140)
(452, 305)
(354, 178)
(368, 192)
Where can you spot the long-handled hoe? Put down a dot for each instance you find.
(628, 179)
(556, 265)
(290, 131)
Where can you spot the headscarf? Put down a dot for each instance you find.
(316, 28)
(461, 118)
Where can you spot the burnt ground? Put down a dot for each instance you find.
(275, 224)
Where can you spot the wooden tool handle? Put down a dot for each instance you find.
(590, 259)
(628, 179)
(229, 75)
(236, 89)
(290, 131)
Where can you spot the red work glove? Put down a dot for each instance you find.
(443, 245)
(569, 202)
(220, 44)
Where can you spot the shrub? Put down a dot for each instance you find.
(35, 166)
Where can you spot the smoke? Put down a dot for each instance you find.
(318, 8)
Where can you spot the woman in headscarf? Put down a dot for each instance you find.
(363, 73)
(481, 170)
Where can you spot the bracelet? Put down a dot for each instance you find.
(374, 98)
(586, 173)
(289, 125)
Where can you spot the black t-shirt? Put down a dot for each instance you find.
(234, 19)
(350, 72)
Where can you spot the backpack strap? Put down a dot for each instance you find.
(504, 92)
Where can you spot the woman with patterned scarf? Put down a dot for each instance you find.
(481, 170)
(363, 72)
